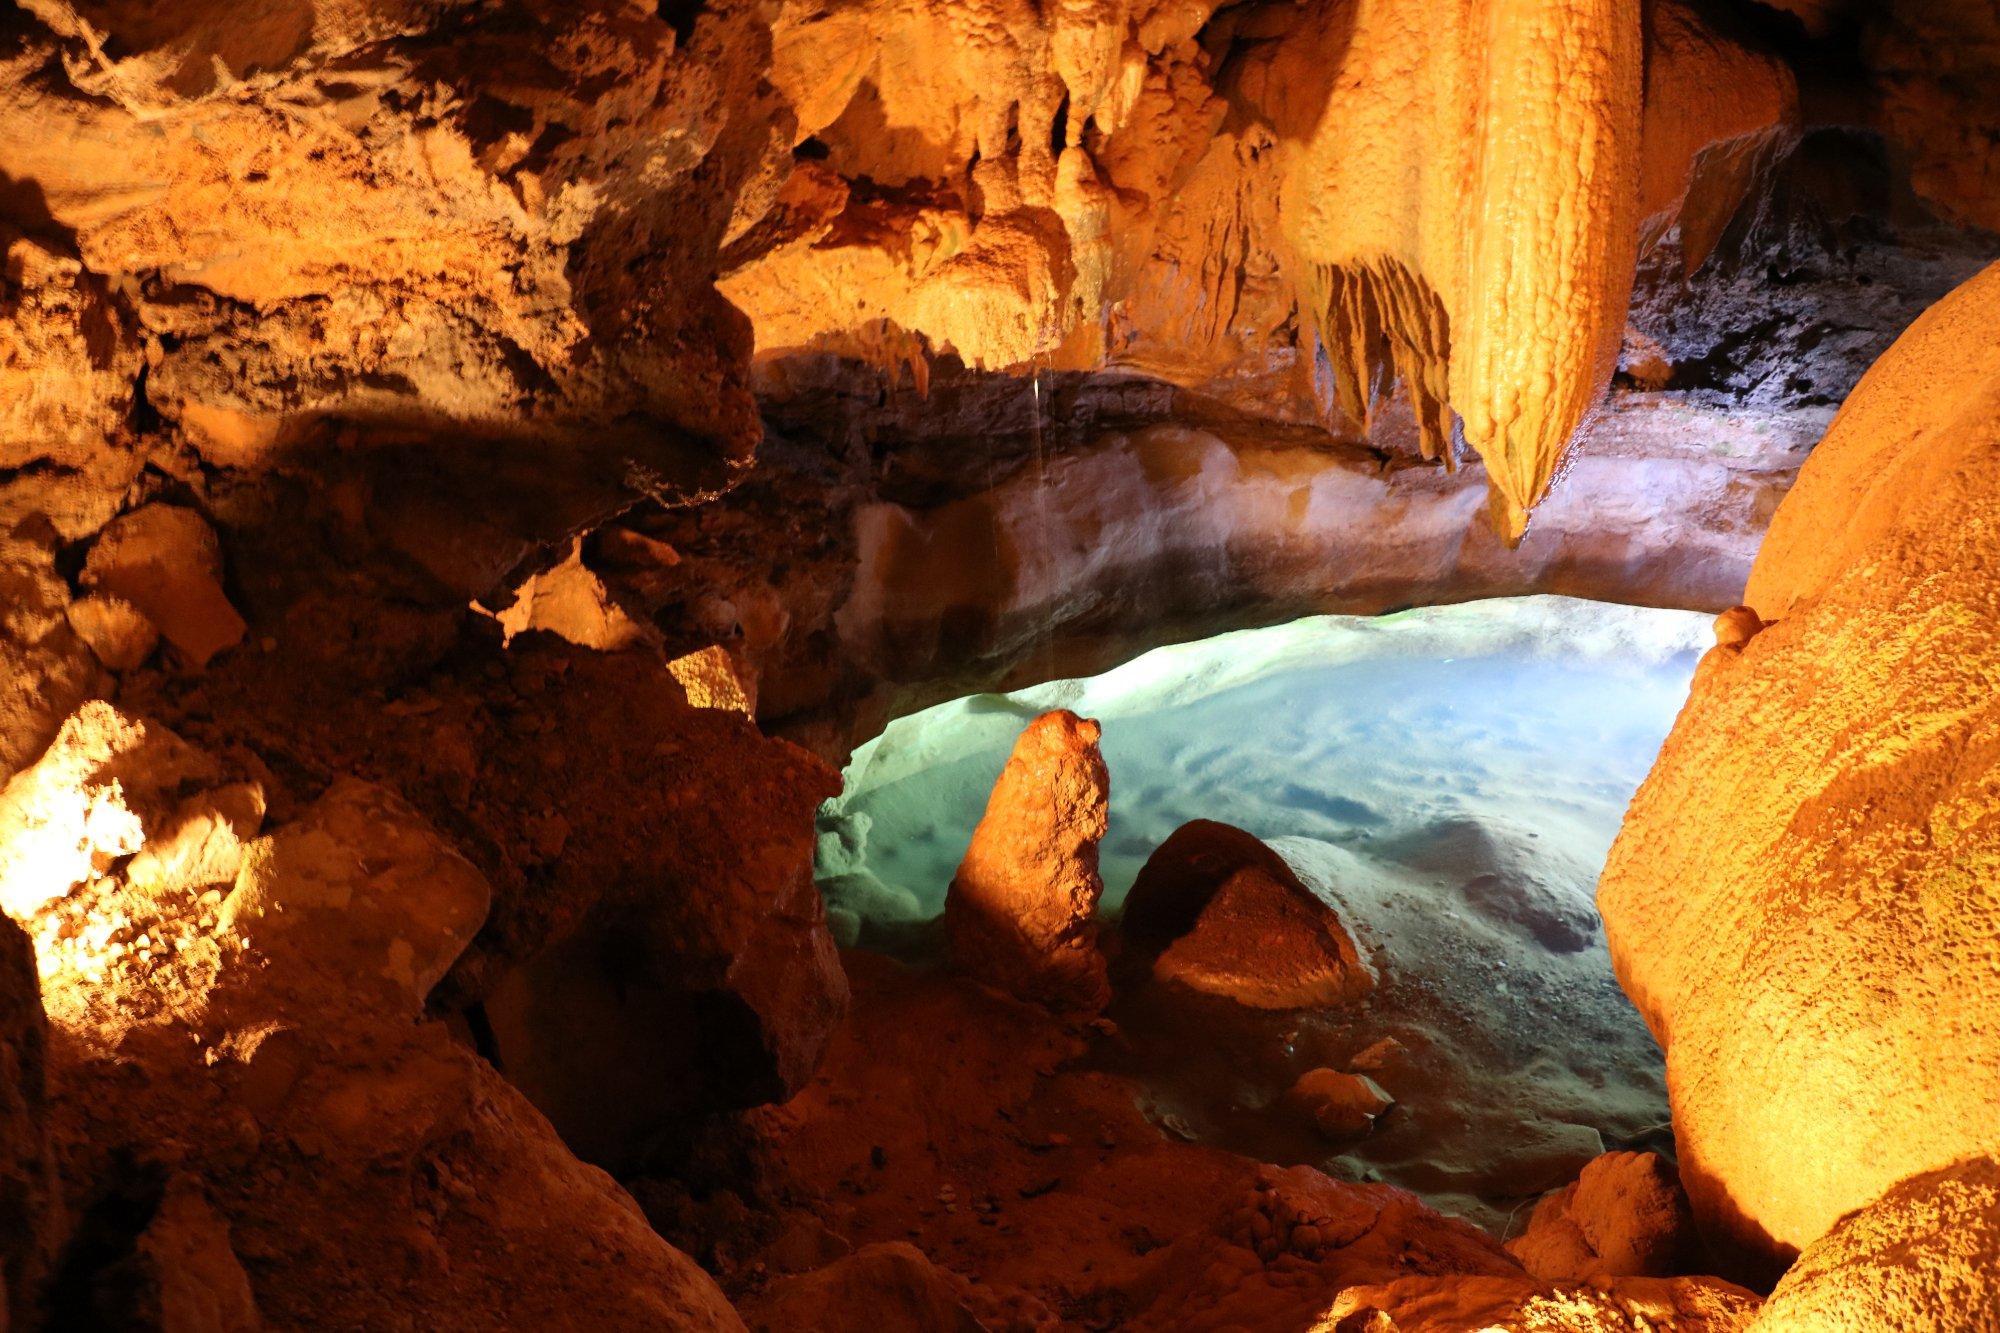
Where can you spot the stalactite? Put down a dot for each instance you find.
(1462, 215)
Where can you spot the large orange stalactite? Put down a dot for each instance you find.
(1462, 217)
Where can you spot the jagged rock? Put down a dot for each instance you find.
(165, 561)
(1624, 1216)
(114, 629)
(657, 947)
(1297, 1238)
(1340, 1106)
(103, 784)
(1220, 912)
(1021, 910)
(360, 891)
(365, 1169)
(1925, 1258)
(45, 668)
(1799, 883)
(1737, 626)
(30, 1217)
(888, 1288)
(1613, 1305)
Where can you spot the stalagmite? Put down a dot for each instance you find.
(1463, 217)
(1021, 907)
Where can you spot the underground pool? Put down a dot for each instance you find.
(1450, 778)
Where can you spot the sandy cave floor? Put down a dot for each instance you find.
(1452, 777)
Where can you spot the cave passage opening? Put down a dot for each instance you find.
(1452, 776)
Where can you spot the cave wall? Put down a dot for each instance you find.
(443, 443)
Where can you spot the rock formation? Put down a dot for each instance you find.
(470, 470)
(1219, 912)
(1800, 900)
(1923, 1256)
(1624, 1216)
(1022, 909)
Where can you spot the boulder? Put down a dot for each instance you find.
(1219, 912)
(1340, 1106)
(116, 631)
(1923, 1258)
(361, 893)
(887, 1288)
(165, 561)
(45, 668)
(1624, 1216)
(1021, 912)
(104, 784)
(1803, 889)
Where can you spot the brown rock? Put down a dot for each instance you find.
(30, 1222)
(1737, 626)
(165, 561)
(102, 786)
(1799, 885)
(361, 892)
(45, 668)
(115, 630)
(1624, 1216)
(1222, 913)
(1021, 910)
(1924, 1258)
(1341, 1106)
(1475, 1304)
(888, 1288)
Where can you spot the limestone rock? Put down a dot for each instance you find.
(1340, 1106)
(1021, 910)
(1925, 1257)
(1624, 1216)
(359, 889)
(1220, 912)
(1801, 885)
(1476, 1304)
(30, 1226)
(1412, 273)
(887, 1288)
(657, 947)
(45, 668)
(115, 630)
(165, 561)
(105, 782)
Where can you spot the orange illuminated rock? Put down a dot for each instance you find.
(46, 669)
(118, 633)
(1021, 910)
(165, 561)
(1924, 1258)
(1463, 212)
(1477, 1304)
(1804, 901)
(1624, 1216)
(1220, 912)
(1340, 1106)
